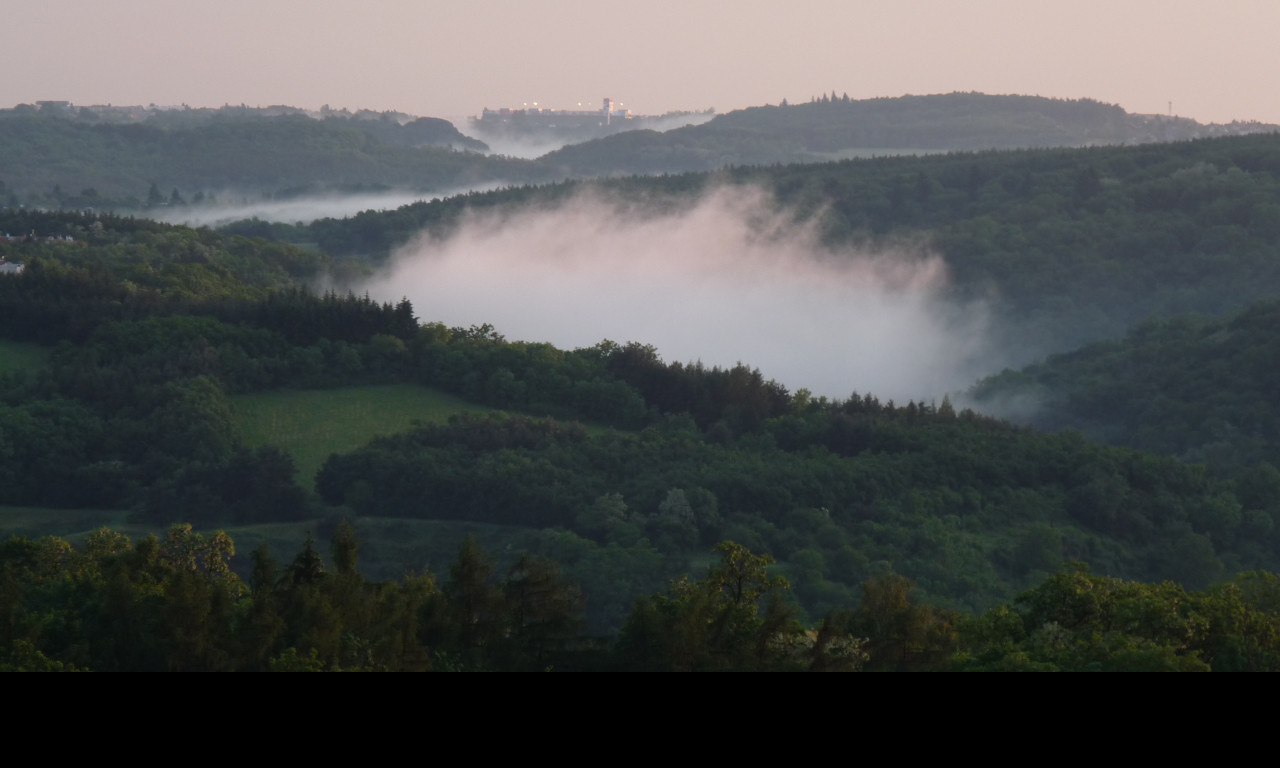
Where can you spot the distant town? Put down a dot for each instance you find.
(557, 118)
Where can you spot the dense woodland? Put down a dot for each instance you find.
(1065, 246)
(816, 533)
(1199, 388)
(53, 160)
(173, 604)
(832, 126)
(128, 159)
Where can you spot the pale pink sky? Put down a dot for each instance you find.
(1216, 61)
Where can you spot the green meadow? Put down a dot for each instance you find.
(70, 524)
(311, 424)
(18, 356)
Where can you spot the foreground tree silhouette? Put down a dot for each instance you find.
(717, 623)
(902, 635)
(543, 612)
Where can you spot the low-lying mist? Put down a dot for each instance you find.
(305, 209)
(524, 147)
(535, 145)
(728, 278)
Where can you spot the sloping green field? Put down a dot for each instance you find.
(35, 522)
(311, 424)
(18, 356)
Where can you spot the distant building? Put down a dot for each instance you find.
(533, 117)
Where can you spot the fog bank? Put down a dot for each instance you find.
(301, 209)
(534, 144)
(729, 278)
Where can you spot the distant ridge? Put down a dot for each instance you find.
(835, 127)
(57, 155)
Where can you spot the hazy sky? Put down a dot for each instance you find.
(1216, 61)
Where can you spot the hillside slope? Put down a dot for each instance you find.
(53, 161)
(835, 128)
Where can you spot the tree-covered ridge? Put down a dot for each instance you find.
(1079, 622)
(131, 159)
(1064, 246)
(391, 127)
(55, 162)
(835, 125)
(154, 326)
(1070, 245)
(1198, 388)
(970, 508)
(175, 604)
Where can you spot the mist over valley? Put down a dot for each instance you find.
(263, 321)
(302, 209)
(731, 277)
(532, 141)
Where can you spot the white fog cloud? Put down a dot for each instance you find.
(537, 145)
(305, 209)
(729, 278)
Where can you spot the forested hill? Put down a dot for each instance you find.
(150, 331)
(833, 127)
(60, 161)
(1202, 389)
(124, 159)
(1066, 246)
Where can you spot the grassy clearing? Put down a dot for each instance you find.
(19, 356)
(71, 524)
(311, 424)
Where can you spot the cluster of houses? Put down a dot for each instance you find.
(34, 238)
(14, 268)
(10, 267)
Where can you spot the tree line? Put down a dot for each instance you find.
(174, 604)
